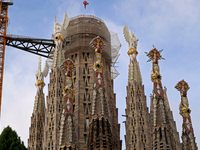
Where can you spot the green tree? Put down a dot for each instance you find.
(9, 140)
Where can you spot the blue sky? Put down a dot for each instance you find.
(170, 25)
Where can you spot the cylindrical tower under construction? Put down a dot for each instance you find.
(80, 32)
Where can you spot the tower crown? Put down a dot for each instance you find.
(82, 29)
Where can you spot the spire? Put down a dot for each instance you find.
(67, 133)
(137, 116)
(188, 138)
(100, 136)
(38, 116)
(163, 134)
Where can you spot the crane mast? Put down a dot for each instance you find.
(3, 28)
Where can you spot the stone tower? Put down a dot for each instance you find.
(163, 128)
(80, 31)
(55, 98)
(137, 117)
(100, 136)
(36, 131)
(188, 139)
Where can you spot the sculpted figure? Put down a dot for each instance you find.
(130, 38)
(58, 28)
(41, 74)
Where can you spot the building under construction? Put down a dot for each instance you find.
(81, 108)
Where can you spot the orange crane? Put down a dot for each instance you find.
(41, 47)
(3, 28)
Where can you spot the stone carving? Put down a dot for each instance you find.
(130, 38)
(59, 39)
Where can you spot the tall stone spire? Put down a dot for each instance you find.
(162, 131)
(100, 136)
(67, 133)
(36, 130)
(137, 122)
(188, 138)
(55, 99)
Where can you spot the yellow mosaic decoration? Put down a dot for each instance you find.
(39, 82)
(132, 51)
(68, 91)
(98, 66)
(58, 37)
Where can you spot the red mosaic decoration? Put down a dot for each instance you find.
(99, 76)
(156, 86)
(182, 85)
(189, 128)
(68, 106)
(97, 43)
(68, 65)
(153, 52)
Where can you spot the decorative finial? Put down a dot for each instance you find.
(183, 87)
(154, 55)
(131, 39)
(97, 43)
(68, 66)
(187, 133)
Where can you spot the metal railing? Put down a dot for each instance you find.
(88, 16)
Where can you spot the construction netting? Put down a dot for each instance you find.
(115, 47)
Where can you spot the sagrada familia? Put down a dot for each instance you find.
(79, 112)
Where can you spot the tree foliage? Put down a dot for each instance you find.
(9, 140)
